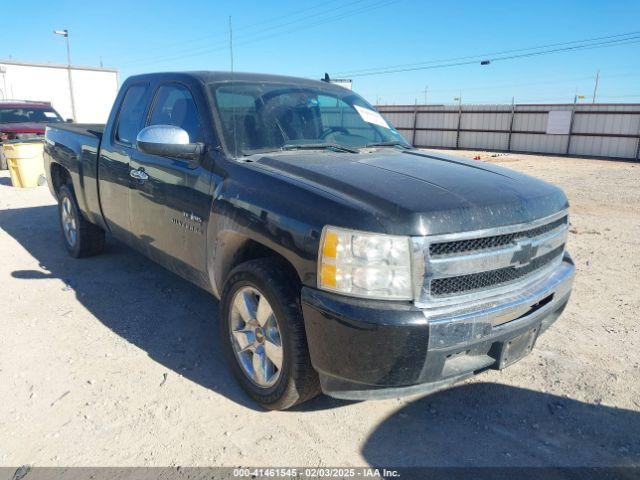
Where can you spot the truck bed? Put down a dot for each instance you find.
(86, 129)
(76, 147)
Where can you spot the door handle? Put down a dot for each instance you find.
(139, 174)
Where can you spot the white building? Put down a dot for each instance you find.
(94, 89)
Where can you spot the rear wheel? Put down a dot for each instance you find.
(262, 332)
(81, 237)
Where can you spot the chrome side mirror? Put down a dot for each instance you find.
(168, 141)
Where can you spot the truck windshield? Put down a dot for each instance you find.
(28, 114)
(261, 117)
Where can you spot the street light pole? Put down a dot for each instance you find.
(65, 34)
(3, 72)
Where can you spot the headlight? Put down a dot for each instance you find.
(362, 264)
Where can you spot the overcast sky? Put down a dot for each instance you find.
(308, 38)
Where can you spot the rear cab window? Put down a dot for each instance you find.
(131, 113)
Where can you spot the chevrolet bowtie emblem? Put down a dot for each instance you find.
(524, 254)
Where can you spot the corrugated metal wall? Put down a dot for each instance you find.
(600, 130)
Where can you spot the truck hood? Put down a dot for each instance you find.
(24, 127)
(418, 192)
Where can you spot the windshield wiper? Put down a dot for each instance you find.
(388, 144)
(318, 146)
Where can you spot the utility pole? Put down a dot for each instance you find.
(65, 34)
(3, 72)
(513, 114)
(415, 123)
(573, 114)
(426, 90)
(231, 43)
(595, 88)
(459, 98)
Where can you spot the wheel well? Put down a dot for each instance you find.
(252, 250)
(59, 176)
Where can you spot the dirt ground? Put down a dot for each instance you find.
(113, 361)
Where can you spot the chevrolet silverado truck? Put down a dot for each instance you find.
(23, 120)
(345, 260)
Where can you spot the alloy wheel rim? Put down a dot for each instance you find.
(69, 224)
(255, 337)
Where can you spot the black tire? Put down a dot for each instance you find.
(297, 381)
(3, 160)
(89, 239)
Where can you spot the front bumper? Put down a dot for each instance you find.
(374, 349)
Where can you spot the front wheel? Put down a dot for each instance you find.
(263, 336)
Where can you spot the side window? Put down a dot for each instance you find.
(130, 115)
(174, 105)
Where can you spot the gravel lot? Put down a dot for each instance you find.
(113, 361)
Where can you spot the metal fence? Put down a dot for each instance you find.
(598, 130)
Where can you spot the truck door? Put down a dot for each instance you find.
(170, 207)
(115, 155)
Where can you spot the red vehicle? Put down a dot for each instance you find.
(24, 120)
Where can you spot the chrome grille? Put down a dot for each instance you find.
(490, 279)
(486, 243)
(477, 264)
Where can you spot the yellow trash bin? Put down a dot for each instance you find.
(26, 163)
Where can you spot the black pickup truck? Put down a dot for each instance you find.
(345, 260)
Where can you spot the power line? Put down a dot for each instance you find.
(304, 26)
(222, 34)
(222, 45)
(493, 87)
(253, 38)
(612, 43)
(566, 99)
(512, 57)
(476, 58)
(620, 96)
(445, 92)
(484, 55)
(503, 86)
